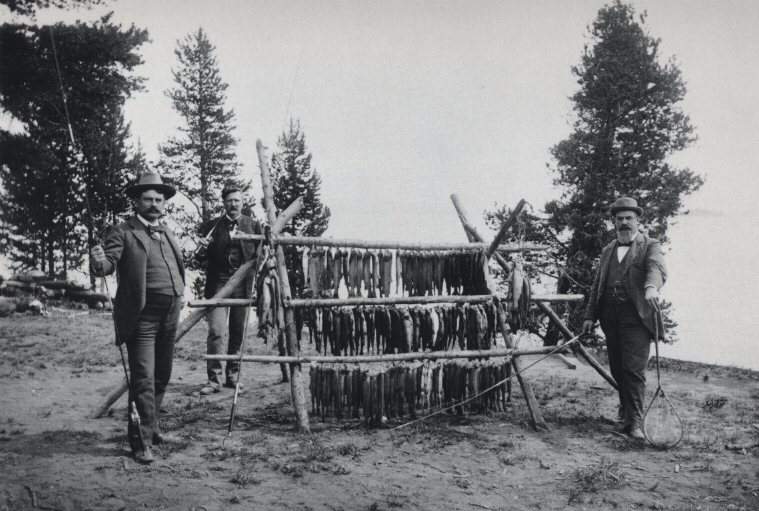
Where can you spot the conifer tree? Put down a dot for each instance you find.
(293, 177)
(628, 120)
(48, 183)
(203, 158)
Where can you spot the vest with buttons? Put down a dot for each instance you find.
(614, 288)
(162, 273)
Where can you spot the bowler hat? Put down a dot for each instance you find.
(149, 181)
(625, 204)
(229, 187)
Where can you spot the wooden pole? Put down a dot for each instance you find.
(505, 228)
(390, 357)
(532, 404)
(386, 300)
(472, 234)
(309, 241)
(191, 320)
(567, 333)
(296, 377)
(529, 396)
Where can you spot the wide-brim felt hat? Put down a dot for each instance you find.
(625, 204)
(150, 181)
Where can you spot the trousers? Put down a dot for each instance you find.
(628, 343)
(219, 319)
(151, 357)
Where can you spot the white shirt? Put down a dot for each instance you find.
(621, 251)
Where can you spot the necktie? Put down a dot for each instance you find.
(155, 231)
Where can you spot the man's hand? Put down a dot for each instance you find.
(652, 297)
(97, 256)
(587, 326)
(203, 243)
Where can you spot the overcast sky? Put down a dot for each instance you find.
(404, 103)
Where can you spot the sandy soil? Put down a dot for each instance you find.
(54, 370)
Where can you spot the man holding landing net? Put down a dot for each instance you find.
(624, 297)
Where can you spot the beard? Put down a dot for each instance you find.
(626, 236)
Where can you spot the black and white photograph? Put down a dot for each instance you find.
(379, 255)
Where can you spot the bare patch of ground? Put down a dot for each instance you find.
(54, 370)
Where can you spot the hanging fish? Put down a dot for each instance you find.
(366, 273)
(517, 282)
(376, 285)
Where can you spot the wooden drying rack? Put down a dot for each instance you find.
(295, 360)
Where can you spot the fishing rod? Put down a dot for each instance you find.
(264, 258)
(134, 416)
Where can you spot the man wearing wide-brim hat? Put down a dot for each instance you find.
(148, 262)
(624, 297)
(222, 256)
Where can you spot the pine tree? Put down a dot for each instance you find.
(47, 182)
(293, 177)
(628, 121)
(201, 160)
(204, 158)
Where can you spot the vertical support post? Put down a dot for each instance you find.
(529, 396)
(296, 376)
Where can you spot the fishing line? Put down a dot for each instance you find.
(292, 87)
(134, 416)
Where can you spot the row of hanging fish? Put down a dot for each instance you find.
(457, 272)
(382, 329)
(393, 392)
(385, 272)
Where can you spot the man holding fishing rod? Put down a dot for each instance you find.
(148, 262)
(625, 298)
(222, 256)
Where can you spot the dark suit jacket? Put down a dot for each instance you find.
(126, 251)
(213, 255)
(644, 266)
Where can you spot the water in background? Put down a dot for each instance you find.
(714, 286)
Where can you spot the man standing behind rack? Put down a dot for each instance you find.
(223, 256)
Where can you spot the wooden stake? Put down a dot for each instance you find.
(191, 320)
(567, 333)
(296, 376)
(532, 404)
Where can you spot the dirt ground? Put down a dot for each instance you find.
(54, 370)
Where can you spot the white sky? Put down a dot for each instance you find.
(404, 103)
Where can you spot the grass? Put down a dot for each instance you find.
(604, 475)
